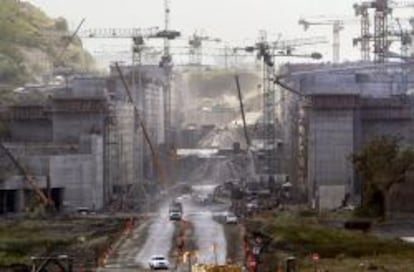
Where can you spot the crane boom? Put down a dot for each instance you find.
(138, 35)
(284, 44)
(121, 33)
(246, 133)
(403, 4)
(337, 27)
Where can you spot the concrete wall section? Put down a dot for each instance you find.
(331, 141)
(17, 182)
(154, 113)
(125, 130)
(31, 130)
(331, 196)
(84, 87)
(68, 127)
(78, 175)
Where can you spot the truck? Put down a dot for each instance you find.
(175, 211)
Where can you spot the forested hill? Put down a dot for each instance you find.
(31, 43)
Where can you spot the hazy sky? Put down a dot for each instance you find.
(233, 20)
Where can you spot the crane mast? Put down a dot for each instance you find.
(266, 52)
(166, 64)
(380, 37)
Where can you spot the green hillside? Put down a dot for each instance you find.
(31, 43)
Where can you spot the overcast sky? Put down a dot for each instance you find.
(237, 21)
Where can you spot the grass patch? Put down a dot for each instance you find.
(21, 239)
(331, 243)
(338, 248)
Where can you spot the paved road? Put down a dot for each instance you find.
(210, 239)
(159, 238)
(133, 254)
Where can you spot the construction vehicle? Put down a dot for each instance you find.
(175, 211)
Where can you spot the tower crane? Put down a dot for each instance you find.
(196, 47)
(383, 9)
(266, 52)
(405, 38)
(337, 27)
(138, 36)
(166, 63)
(395, 33)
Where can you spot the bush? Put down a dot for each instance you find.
(308, 213)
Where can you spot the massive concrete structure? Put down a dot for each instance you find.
(80, 144)
(340, 111)
(146, 83)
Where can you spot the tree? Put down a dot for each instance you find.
(61, 25)
(382, 163)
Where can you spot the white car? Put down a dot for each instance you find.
(231, 218)
(158, 262)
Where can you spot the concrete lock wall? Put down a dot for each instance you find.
(81, 176)
(31, 130)
(124, 144)
(154, 116)
(67, 127)
(88, 87)
(76, 174)
(331, 196)
(331, 142)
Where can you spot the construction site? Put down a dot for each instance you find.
(267, 145)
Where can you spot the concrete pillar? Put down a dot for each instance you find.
(332, 138)
(19, 201)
